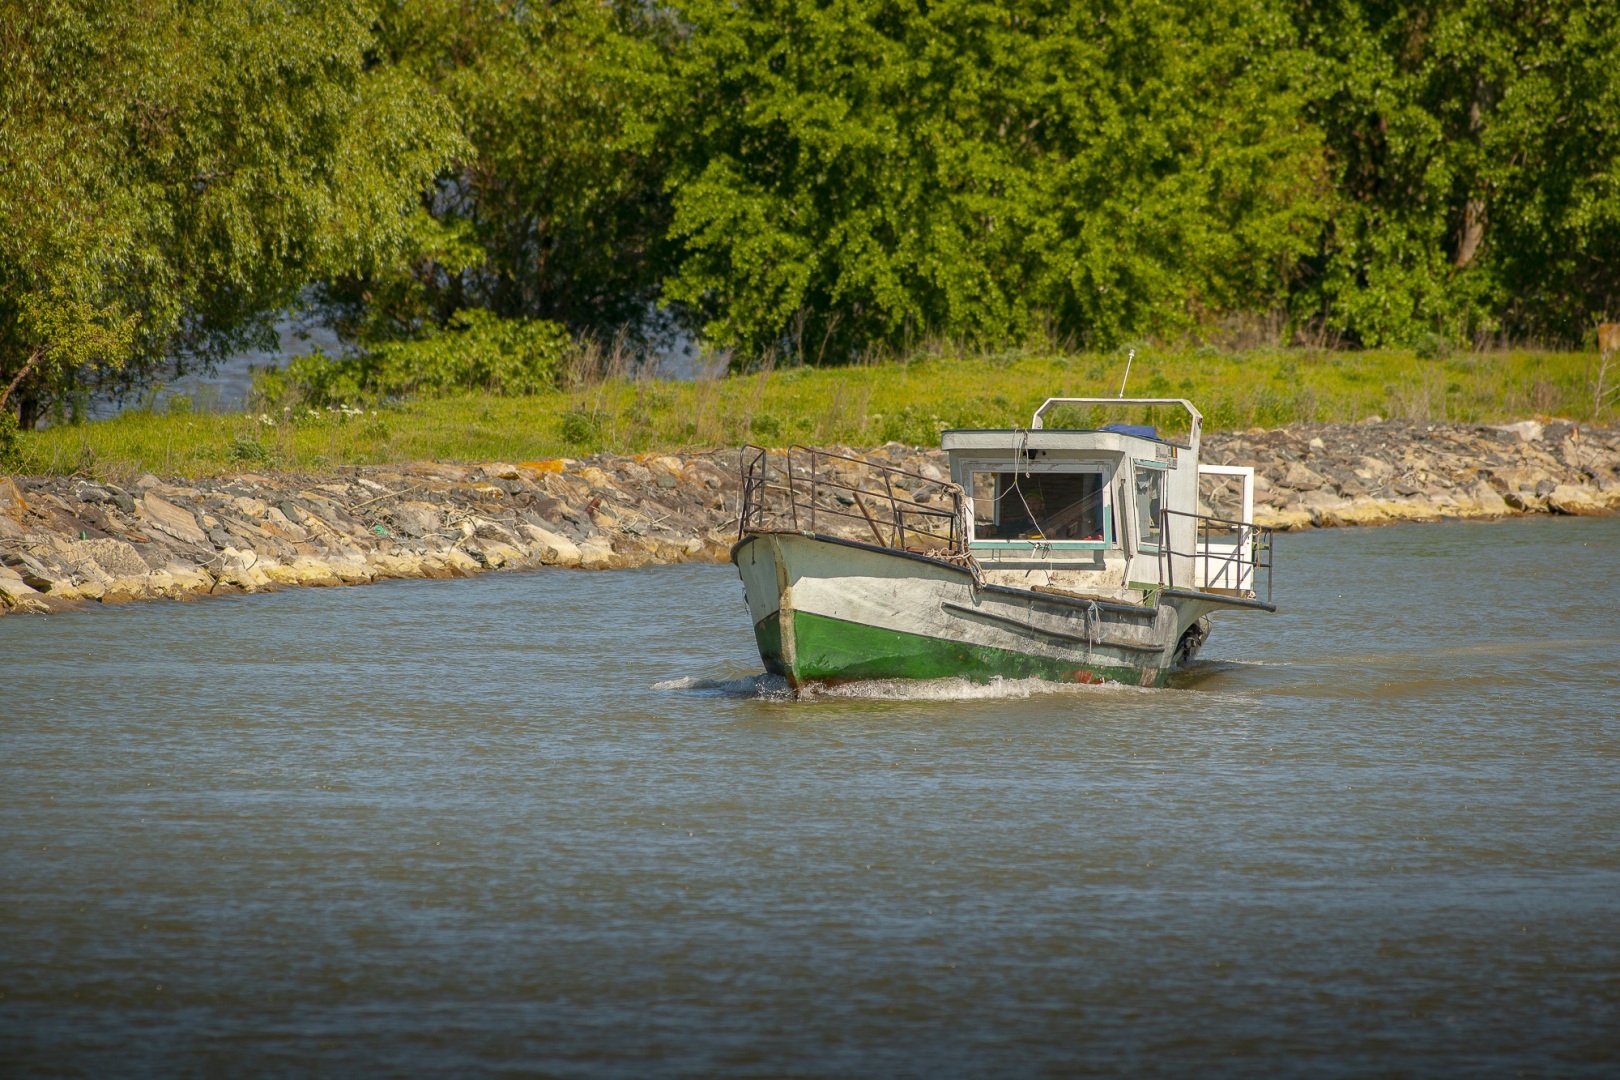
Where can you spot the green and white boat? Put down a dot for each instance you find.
(1078, 555)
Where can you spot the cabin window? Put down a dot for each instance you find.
(1039, 506)
(1149, 503)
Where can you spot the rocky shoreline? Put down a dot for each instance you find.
(69, 541)
(1378, 472)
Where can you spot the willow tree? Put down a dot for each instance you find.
(554, 209)
(176, 172)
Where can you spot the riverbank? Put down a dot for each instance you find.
(68, 541)
(293, 427)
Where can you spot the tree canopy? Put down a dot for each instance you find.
(1475, 149)
(978, 169)
(1377, 171)
(554, 208)
(814, 177)
(184, 169)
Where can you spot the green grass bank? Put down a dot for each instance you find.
(909, 402)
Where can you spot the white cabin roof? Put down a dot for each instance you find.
(1105, 439)
(1013, 440)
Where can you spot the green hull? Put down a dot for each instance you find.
(829, 650)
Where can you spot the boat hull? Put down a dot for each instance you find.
(827, 610)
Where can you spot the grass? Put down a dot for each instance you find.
(906, 401)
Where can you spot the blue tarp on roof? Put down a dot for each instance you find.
(1140, 430)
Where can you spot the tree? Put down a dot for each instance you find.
(181, 170)
(71, 336)
(877, 170)
(1475, 148)
(555, 209)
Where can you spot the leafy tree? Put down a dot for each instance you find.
(815, 176)
(555, 208)
(874, 170)
(70, 336)
(180, 169)
(1474, 148)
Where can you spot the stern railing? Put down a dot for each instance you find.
(1238, 562)
(802, 489)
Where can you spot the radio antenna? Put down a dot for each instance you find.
(1127, 377)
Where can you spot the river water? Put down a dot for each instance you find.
(553, 823)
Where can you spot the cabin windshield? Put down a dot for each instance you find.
(1009, 505)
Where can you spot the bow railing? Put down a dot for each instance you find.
(802, 489)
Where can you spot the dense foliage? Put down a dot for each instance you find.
(1353, 170)
(474, 350)
(555, 210)
(811, 178)
(871, 170)
(178, 170)
(1476, 155)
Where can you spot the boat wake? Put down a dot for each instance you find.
(956, 689)
(763, 685)
(775, 688)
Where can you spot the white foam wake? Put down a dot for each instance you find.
(775, 687)
(954, 689)
(763, 685)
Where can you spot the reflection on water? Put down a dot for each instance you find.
(557, 823)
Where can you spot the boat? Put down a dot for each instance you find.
(1082, 554)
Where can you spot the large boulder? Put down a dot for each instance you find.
(596, 554)
(164, 516)
(12, 504)
(1524, 430)
(554, 550)
(1487, 500)
(16, 595)
(1301, 478)
(1579, 501)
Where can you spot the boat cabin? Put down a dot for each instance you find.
(1115, 511)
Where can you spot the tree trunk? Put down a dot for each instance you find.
(27, 411)
(27, 406)
(1473, 231)
(1473, 222)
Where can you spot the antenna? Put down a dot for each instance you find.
(1127, 377)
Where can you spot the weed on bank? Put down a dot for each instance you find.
(909, 402)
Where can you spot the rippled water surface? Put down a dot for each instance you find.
(551, 823)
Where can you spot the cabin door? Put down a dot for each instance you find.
(1226, 527)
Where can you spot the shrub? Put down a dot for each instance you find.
(581, 427)
(1432, 347)
(10, 441)
(912, 427)
(243, 449)
(477, 350)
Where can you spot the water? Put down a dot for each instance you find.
(554, 823)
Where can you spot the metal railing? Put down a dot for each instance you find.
(803, 489)
(1237, 563)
